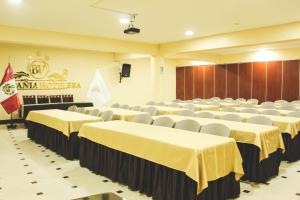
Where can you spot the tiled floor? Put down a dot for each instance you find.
(28, 171)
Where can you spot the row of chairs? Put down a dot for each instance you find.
(272, 111)
(106, 115)
(151, 109)
(40, 99)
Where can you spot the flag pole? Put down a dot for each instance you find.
(11, 125)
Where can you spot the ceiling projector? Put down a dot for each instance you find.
(131, 30)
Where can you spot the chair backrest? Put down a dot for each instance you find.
(228, 99)
(267, 103)
(150, 103)
(215, 98)
(204, 114)
(253, 101)
(143, 118)
(72, 108)
(107, 115)
(29, 99)
(163, 121)
(189, 106)
(115, 105)
(55, 99)
(246, 105)
(188, 124)
(296, 102)
(249, 110)
(288, 107)
(94, 112)
(197, 99)
(173, 105)
(263, 120)
(136, 108)
(160, 104)
(80, 110)
(241, 99)
(42, 98)
(151, 110)
(281, 101)
(216, 129)
(228, 109)
(67, 98)
(186, 113)
(270, 112)
(124, 106)
(215, 103)
(232, 117)
(294, 114)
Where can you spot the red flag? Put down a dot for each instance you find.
(8, 91)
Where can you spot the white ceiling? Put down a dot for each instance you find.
(160, 20)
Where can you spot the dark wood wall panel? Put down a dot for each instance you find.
(220, 81)
(274, 80)
(209, 81)
(245, 75)
(290, 90)
(232, 81)
(259, 81)
(188, 83)
(180, 83)
(199, 82)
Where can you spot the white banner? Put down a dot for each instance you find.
(7, 90)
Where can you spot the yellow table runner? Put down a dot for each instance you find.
(202, 157)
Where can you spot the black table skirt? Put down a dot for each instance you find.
(68, 147)
(61, 106)
(158, 181)
(292, 147)
(255, 170)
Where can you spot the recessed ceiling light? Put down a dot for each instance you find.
(124, 21)
(15, 1)
(189, 33)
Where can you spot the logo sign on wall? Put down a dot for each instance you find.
(39, 76)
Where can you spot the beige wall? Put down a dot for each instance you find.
(82, 65)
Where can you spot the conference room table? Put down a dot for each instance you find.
(198, 107)
(260, 146)
(165, 110)
(25, 109)
(288, 126)
(118, 113)
(57, 130)
(260, 110)
(165, 163)
(297, 106)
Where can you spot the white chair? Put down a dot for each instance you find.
(247, 105)
(151, 110)
(228, 109)
(204, 114)
(281, 101)
(189, 106)
(143, 118)
(202, 102)
(268, 105)
(163, 121)
(115, 105)
(249, 110)
(94, 112)
(72, 108)
(150, 103)
(270, 112)
(215, 98)
(173, 105)
(188, 124)
(228, 99)
(214, 103)
(216, 129)
(160, 104)
(136, 108)
(197, 99)
(287, 107)
(262, 120)
(107, 115)
(253, 101)
(294, 114)
(241, 99)
(188, 113)
(232, 117)
(124, 106)
(81, 110)
(189, 101)
(296, 102)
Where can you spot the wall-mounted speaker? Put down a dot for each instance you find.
(125, 71)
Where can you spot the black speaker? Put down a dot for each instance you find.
(126, 70)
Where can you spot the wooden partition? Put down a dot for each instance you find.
(265, 81)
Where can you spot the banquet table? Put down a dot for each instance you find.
(118, 113)
(260, 146)
(25, 109)
(57, 130)
(288, 126)
(198, 107)
(260, 110)
(165, 163)
(165, 110)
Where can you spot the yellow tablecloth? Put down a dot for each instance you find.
(223, 104)
(198, 107)
(290, 125)
(165, 110)
(119, 113)
(64, 121)
(202, 157)
(267, 138)
(282, 112)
